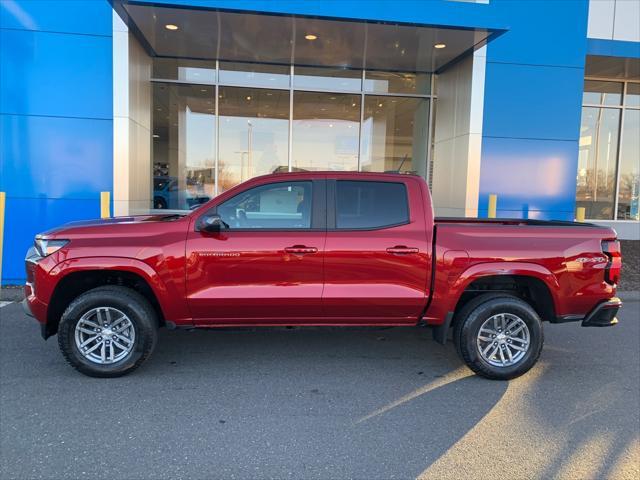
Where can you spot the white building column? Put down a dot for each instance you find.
(132, 173)
(458, 137)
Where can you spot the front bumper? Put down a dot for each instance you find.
(26, 308)
(604, 314)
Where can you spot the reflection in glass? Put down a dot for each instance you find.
(370, 204)
(254, 132)
(254, 74)
(394, 134)
(597, 161)
(335, 79)
(196, 71)
(396, 82)
(262, 129)
(597, 92)
(183, 149)
(325, 131)
(629, 189)
(633, 95)
(276, 205)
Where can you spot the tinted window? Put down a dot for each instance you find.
(277, 205)
(370, 204)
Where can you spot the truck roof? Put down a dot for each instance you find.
(323, 173)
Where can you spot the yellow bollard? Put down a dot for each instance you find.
(3, 200)
(580, 211)
(493, 205)
(105, 207)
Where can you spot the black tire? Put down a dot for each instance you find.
(135, 306)
(471, 317)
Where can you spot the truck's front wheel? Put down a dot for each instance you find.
(498, 336)
(108, 331)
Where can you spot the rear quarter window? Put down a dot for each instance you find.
(370, 205)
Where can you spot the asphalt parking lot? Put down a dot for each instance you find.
(321, 404)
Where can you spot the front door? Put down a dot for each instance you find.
(378, 252)
(266, 267)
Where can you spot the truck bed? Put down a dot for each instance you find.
(513, 221)
(566, 256)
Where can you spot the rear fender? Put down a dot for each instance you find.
(447, 294)
(523, 269)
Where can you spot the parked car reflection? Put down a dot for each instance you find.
(167, 195)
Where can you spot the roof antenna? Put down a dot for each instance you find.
(406, 155)
(400, 166)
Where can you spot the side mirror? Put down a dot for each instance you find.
(211, 223)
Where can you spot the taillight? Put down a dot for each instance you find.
(612, 272)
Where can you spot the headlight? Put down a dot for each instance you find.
(47, 247)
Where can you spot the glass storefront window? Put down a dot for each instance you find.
(334, 79)
(598, 92)
(608, 163)
(215, 127)
(325, 131)
(629, 189)
(255, 74)
(396, 82)
(597, 161)
(254, 133)
(183, 148)
(632, 98)
(193, 71)
(394, 134)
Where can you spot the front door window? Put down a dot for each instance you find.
(285, 205)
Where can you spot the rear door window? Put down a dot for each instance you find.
(370, 205)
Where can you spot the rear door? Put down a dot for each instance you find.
(267, 266)
(377, 252)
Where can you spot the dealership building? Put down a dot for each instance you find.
(135, 106)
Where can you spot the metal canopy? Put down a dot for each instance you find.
(208, 34)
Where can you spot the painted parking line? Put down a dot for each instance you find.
(4, 304)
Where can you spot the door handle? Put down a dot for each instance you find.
(300, 249)
(402, 250)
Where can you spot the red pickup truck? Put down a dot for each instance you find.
(314, 249)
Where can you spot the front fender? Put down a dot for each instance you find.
(170, 299)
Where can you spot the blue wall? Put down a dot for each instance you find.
(533, 97)
(56, 117)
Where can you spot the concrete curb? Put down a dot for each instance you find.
(11, 293)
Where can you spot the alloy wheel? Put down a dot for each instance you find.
(105, 335)
(503, 340)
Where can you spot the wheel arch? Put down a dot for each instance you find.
(532, 283)
(82, 275)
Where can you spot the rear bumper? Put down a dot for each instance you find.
(604, 314)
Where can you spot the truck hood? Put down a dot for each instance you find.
(106, 222)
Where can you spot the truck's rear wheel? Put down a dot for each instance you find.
(108, 331)
(498, 336)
